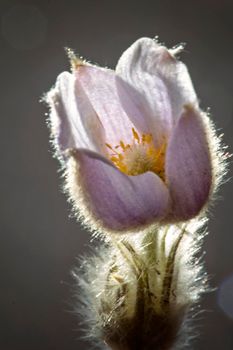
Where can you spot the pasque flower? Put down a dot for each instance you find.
(136, 147)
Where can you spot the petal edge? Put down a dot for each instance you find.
(188, 165)
(120, 202)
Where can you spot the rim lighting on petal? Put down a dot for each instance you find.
(119, 201)
(138, 136)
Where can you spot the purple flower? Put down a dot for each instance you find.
(134, 143)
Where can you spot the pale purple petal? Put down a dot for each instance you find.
(151, 94)
(74, 122)
(188, 165)
(139, 111)
(100, 86)
(121, 202)
(162, 81)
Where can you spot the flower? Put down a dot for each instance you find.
(136, 148)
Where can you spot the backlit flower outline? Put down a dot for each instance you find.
(135, 145)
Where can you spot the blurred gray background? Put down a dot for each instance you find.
(39, 242)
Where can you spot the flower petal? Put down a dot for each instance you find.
(188, 166)
(162, 80)
(74, 122)
(139, 111)
(120, 202)
(100, 86)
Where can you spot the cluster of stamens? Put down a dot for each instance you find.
(140, 156)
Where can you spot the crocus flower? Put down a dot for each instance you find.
(136, 147)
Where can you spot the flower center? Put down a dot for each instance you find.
(139, 156)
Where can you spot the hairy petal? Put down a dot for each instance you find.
(73, 120)
(162, 81)
(188, 165)
(120, 202)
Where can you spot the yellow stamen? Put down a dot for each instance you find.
(140, 156)
(109, 146)
(122, 145)
(135, 135)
